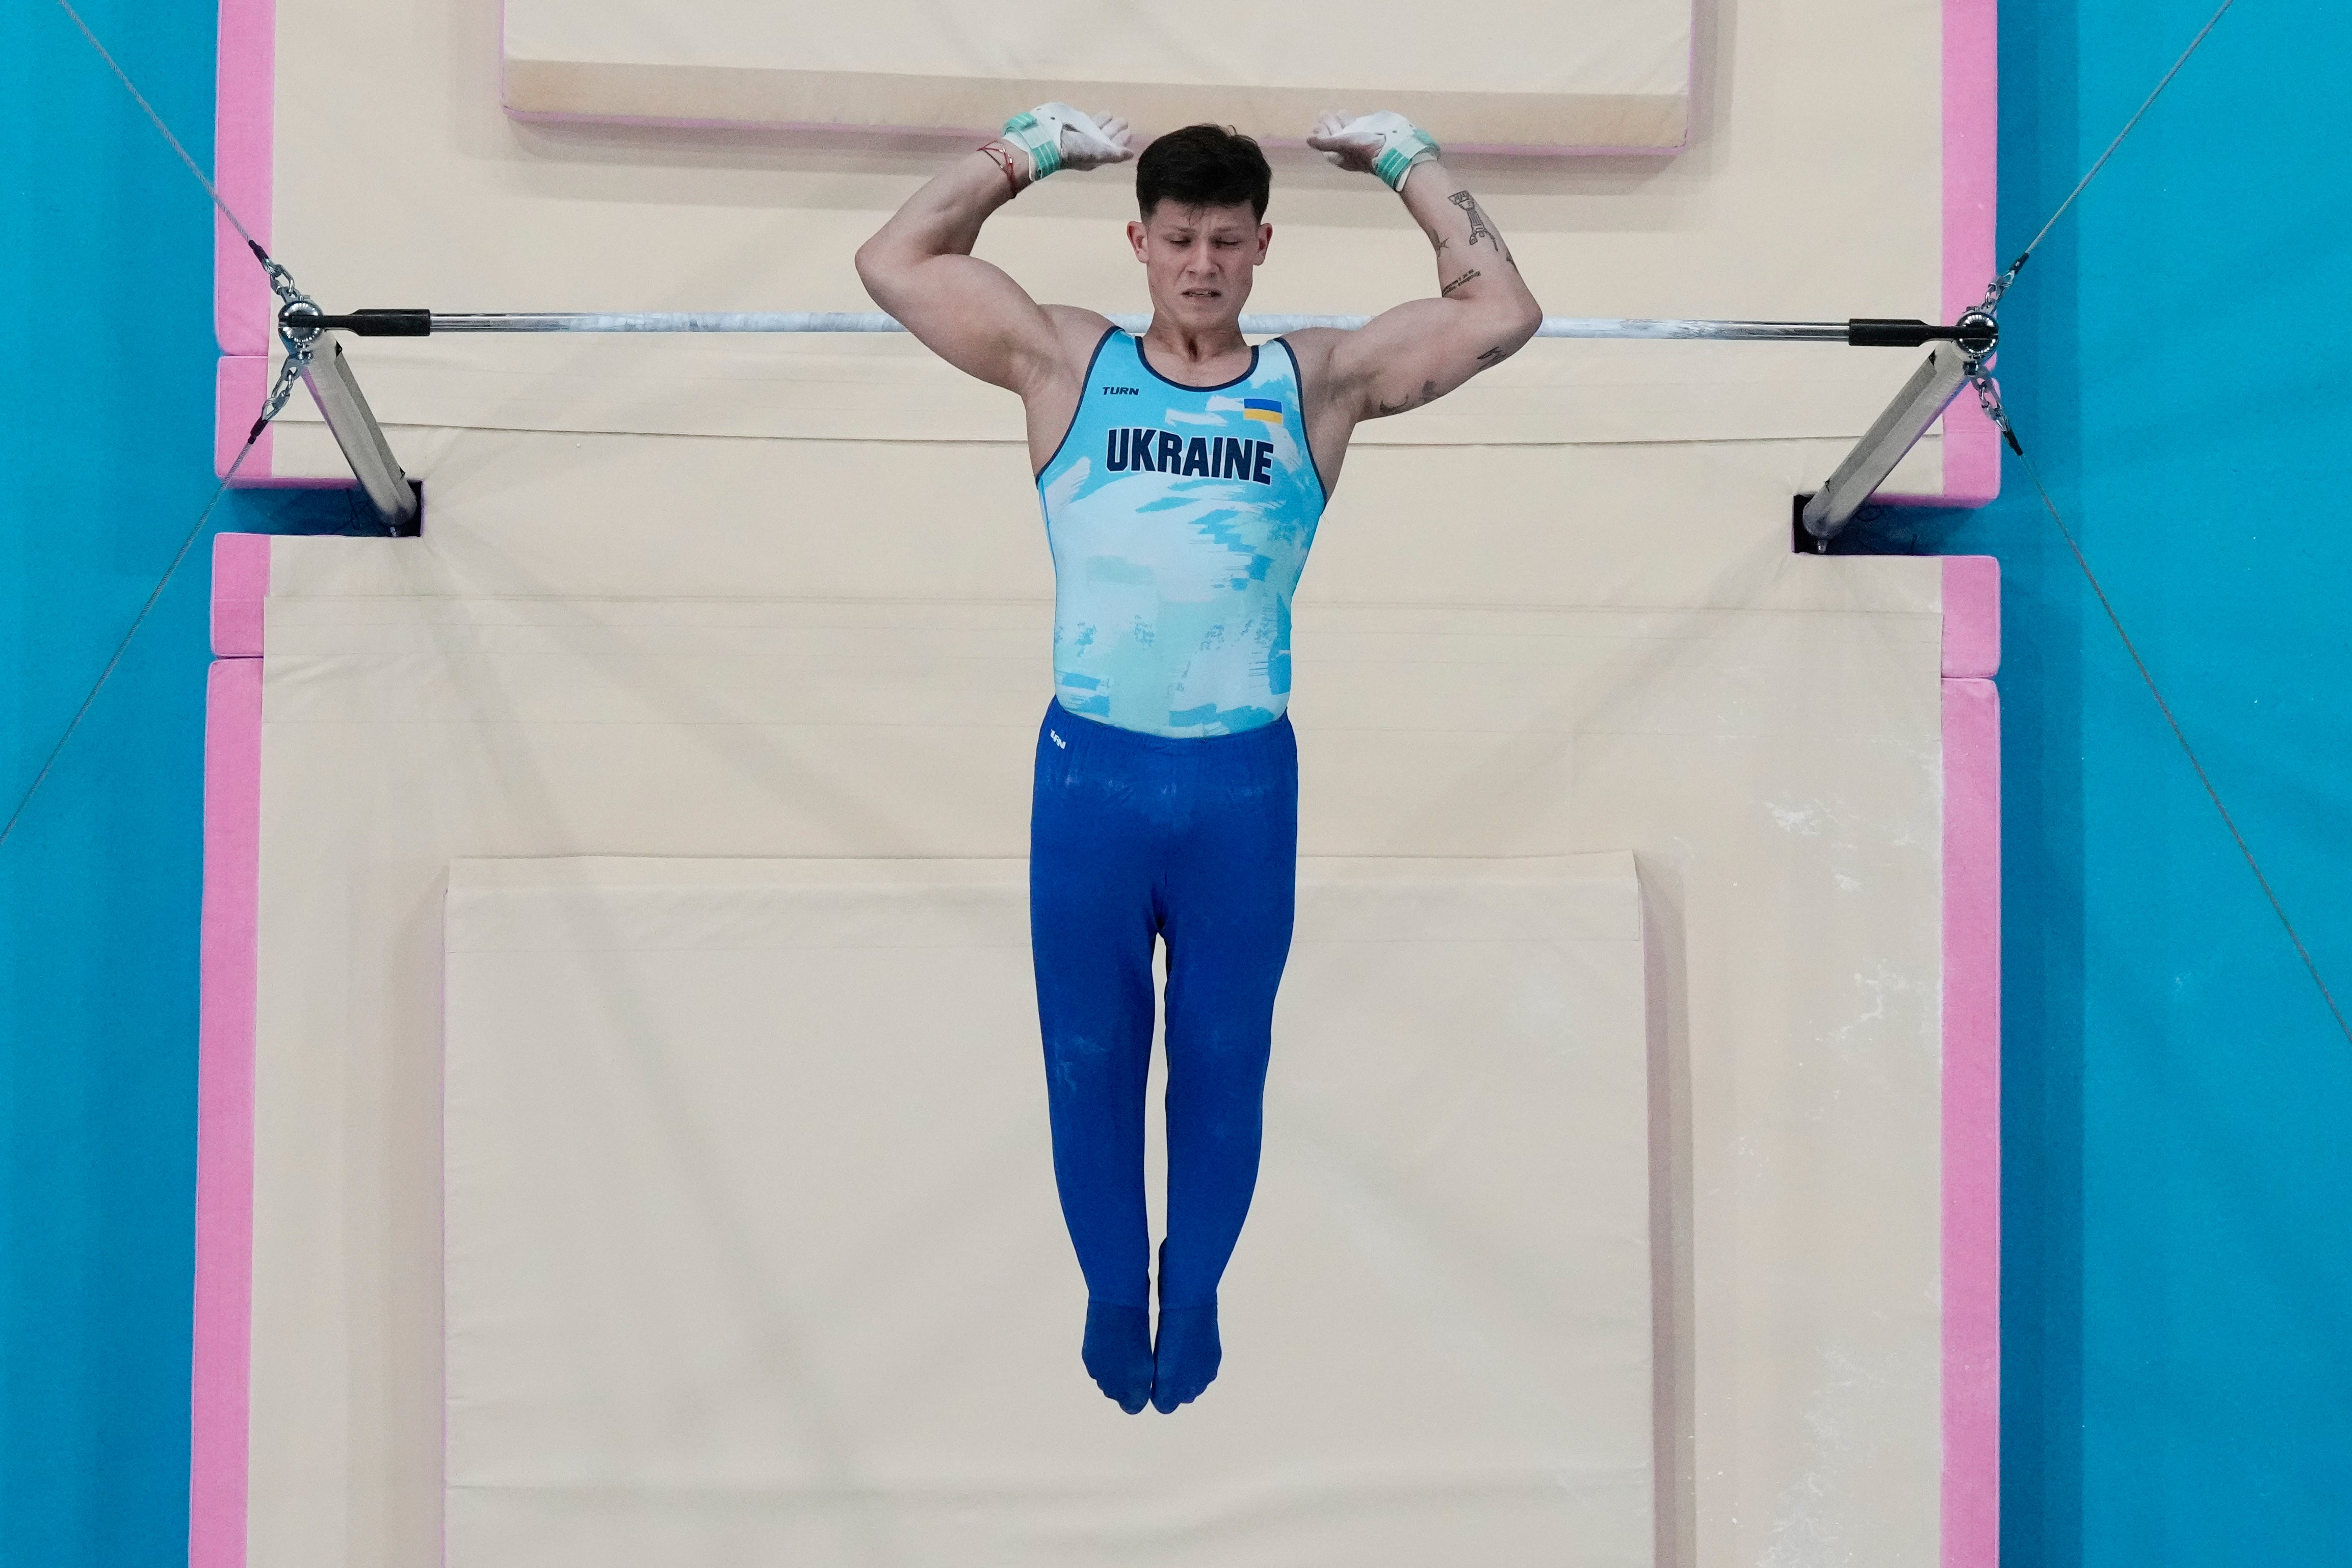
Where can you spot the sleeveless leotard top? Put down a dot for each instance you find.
(1179, 519)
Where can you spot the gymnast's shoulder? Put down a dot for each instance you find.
(1078, 330)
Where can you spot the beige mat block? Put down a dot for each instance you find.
(1619, 75)
(754, 1251)
(1775, 768)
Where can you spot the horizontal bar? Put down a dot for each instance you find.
(1867, 333)
(1266, 326)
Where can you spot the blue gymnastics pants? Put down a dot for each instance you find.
(1133, 838)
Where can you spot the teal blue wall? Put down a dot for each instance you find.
(2179, 1215)
(2178, 1101)
(104, 464)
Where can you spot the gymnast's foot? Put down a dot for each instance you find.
(1118, 1353)
(1185, 1359)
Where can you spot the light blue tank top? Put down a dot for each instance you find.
(1179, 519)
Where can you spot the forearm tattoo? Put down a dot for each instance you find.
(1478, 229)
(1458, 282)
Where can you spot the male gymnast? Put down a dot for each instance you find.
(1183, 474)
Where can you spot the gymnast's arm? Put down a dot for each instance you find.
(920, 267)
(1419, 351)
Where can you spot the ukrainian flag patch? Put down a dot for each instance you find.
(1268, 409)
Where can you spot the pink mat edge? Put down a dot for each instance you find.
(1971, 1124)
(1971, 184)
(243, 138)
(240, 585)
(1971, 615)
(1972, 724)
(239, 384)
(221, 1351)
(244, 126)
(1971, 1021)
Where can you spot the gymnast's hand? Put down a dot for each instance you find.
(1386, 143)
(1057, 136)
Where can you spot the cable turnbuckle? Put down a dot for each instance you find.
(2001, 286)
(300, 338)
(1989, 399)
(297, 341)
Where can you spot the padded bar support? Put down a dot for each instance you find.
(1894, 433)
(1863, 332)
(340, 403)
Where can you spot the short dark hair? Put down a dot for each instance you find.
(1203, 166)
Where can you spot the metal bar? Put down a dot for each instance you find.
(337, 393)
(396, 323)
(680, 321)
(1861, 332)
(1257, 325)
(1896, 431)
(1717, 332)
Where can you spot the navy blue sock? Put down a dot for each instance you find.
(1118, 1353)
(1186, 1356)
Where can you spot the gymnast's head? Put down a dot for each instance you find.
(1202, 192)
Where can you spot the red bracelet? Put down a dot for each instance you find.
(1004, 162)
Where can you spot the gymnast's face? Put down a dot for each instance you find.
(1199, 261)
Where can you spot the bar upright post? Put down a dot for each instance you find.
(337, 393)
(1896, 430)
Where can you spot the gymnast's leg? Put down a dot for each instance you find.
(1231, 886)
(1092, 925)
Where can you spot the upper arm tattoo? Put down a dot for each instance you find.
(1428, 395)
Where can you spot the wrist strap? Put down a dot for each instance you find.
(1041, 138)
(1395, 163)
(1403, 145)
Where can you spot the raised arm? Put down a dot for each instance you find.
(920, 267)
(1483, 313)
